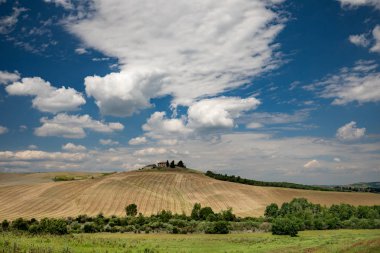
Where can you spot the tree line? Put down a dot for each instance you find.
(296, 215)
(238, 179)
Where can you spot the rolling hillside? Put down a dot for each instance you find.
(36, 195)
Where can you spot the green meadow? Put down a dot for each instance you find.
(307, 241)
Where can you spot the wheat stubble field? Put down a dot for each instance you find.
(37, 195)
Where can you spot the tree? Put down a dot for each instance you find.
(271, 211)
(131, 210)
(167, 163)
(205, 212)
(195, 213)
(172, 164)
(181, 164)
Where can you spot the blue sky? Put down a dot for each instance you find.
(268, 89)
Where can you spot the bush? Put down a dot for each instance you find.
(219, 227)
(5, 225)
(284, 226)
(89, 228)
(20, 224)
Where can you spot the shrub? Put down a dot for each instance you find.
(5, 225)
(20, 224)
(284, 226)
(219, 227)
(89, 228)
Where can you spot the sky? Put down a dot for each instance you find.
(272, 90)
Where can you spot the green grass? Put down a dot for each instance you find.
(308, 241)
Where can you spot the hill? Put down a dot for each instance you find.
(37, 195)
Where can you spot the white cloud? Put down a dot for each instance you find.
(8, 23)
(46, 97)
(259, 119)
(73, 126)
(22, 128)
(3, 130)
(168, 142)
(108, 142)
(357, 3)
(219, 112)
(32, 146)
(71, 147)
(254, 125)
(376, 37)
(8, 77)
(272, 158)
(312, 164)
(81, 50)
(26, 155)
(158, 126)
(124, 93)
(66, 4)
(337, 159)
(359, 40)
(137, 140)
(350, 132)
(360, 83)
(150, 151)
(190, 50)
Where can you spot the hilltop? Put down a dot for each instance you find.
(37, 195)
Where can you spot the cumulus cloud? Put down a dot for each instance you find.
(312, 164)
(359, 40)
(71, 147)
(73, 126)
(189, 50)
(8, 77)
(46, 97)
(108, 142)
(124, 93)
(357, 3)
(159, 126)
(3, 130)
(376, 37)
(350, 132)
(219, 112)
(137, 140)
(8, 23)
(360, 83)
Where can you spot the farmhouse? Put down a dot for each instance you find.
(161, 164)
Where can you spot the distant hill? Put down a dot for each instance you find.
(37, 195)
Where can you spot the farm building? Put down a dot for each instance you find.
(161, 164)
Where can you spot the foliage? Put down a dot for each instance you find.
(284, 226)
(172, 164)
(181, 164)
(131, 210)
(238, 179)
(296, 215)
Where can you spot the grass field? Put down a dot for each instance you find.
(36, 195)
(309, 241)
